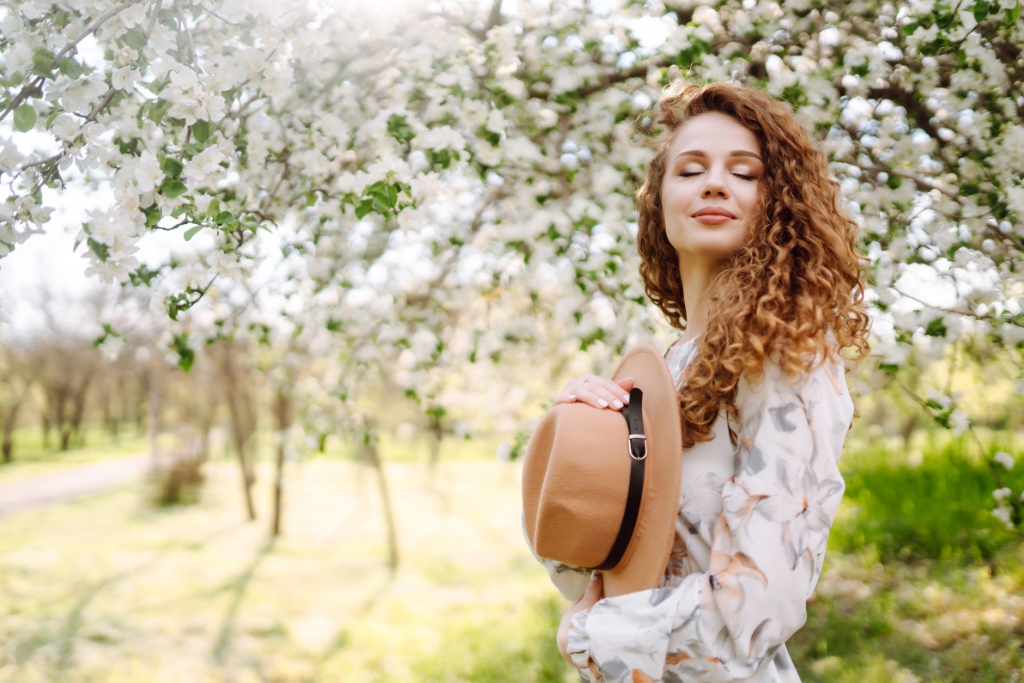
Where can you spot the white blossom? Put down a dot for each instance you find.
(125, 78)
(205, 167)
(958, 421)
(1004, 459)
(148, 174)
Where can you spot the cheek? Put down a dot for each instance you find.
(748, 197)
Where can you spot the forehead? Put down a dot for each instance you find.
(714, 133)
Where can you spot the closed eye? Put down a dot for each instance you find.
(690, 174)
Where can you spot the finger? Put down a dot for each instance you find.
(606, 394)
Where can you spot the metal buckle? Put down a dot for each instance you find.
(630, 447)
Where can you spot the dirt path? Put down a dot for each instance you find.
(76, 481)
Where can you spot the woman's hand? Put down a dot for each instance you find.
(597, 392)
(595, 591)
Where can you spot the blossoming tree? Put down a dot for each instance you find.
(457, 180)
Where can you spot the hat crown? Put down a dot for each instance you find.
(582, 490)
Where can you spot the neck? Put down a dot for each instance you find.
(696, 279)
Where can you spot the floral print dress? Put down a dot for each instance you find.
(750, 538)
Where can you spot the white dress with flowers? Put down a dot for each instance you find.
(750, 538)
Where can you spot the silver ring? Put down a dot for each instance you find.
(584, 382)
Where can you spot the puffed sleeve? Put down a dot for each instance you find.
(571, 581)
(731, 621)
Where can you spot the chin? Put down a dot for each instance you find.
(714, 246)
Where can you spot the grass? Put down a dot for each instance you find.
(108, 589)
(921, 583)
(936, 505)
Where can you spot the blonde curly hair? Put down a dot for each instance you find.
(797, 279)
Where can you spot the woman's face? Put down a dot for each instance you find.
(710, 189)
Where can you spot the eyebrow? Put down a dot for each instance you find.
(702, 153)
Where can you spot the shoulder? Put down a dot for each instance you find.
(823, 384)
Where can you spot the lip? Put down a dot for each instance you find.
(714, 211)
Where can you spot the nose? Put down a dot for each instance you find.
(714, 185)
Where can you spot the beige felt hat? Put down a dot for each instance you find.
(601, 491)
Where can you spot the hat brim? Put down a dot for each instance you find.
(643, 565)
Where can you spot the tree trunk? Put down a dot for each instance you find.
(283, 416)
(59, 401)
(436, 434)
(137, 414)
(10, 421)
(205, 425)
(78, 413)
(153, 423)
(372, 457)
(241, 426)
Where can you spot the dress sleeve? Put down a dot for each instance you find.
(729, 622)
(571, 581)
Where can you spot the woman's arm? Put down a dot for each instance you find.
(729, 622)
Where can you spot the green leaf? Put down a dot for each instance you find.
(191, 149)
(42, 62)
(186, 356)
(172, 188)
(99, 249)
(70, 67)
(191, 232)
(135, 38)
(364, 208)
(981, 10)
(400, 129)
(936, 328)
(157, 111)
(224, 217)
(50, 118)
(143, 276)
(153, 216)
(202, 130)
(214, 208)
(25, 118)
(894, 182)
(172, 167)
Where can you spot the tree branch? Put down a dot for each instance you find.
(152, 17)
(188, 32)
(99, 21)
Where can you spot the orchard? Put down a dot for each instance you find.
(426, 195)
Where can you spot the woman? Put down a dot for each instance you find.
(744, 249)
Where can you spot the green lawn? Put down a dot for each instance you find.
(107, 589)
(919, 584)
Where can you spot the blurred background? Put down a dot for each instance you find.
(155, 525)
(286, 285)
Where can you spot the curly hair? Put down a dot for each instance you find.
(796, 279)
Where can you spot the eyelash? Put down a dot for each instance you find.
(738, 175)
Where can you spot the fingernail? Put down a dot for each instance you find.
(571, 397)
(625, 399)
(603, 403)
(617, 405)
